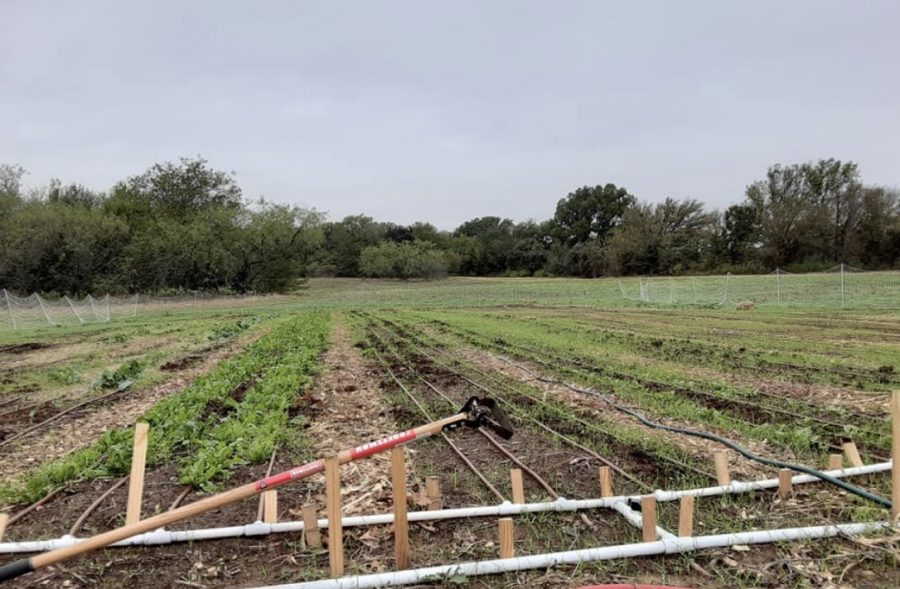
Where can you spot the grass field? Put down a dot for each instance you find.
(232, 391)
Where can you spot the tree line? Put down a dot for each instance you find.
(186, 226)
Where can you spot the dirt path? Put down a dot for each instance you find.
(352, 414)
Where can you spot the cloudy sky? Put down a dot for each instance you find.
(447, 111)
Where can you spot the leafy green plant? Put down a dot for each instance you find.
(121, 377)
(188, 428)
(229, 331)
(65, 375)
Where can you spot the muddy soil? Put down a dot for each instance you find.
(23, 348)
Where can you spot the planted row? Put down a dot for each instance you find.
(193, 426)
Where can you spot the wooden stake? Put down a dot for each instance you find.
(835, 461)
(333, 501)
(785, 484)
(4, 517)
(270, 506)
(722, 474)
(686, 516)
(401, 525)
(606, 489)
(433, 492)
(852, 454)
(895, 456)
(136, 481)
(507, 532)
(311, 526)
(518, 487)
(250, 489)
(648, 516)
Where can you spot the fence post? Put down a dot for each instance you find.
(518, 488)
(895, 455)
(270, 506)
(835, 462)
(686, 516)
(648, 518)
(606, 489)
(723, 477)
(311, 526)
(433, 492)
(43, 309)
(778, 283)
(852, 453)
(74, 312)
(842, 284)
(401, 525)
(335, 525)
(507, 538)
(136, 482)
(12, 317)
(93, 308)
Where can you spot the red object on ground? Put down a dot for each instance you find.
(631, 586)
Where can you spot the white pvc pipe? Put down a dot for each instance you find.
(543, 561)
(635, 519)
(749, 486)
(619, 503)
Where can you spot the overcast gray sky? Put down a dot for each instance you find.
(442, 112)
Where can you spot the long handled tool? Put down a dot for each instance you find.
(477, 412)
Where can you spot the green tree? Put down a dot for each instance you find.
(807, 212)
(486, 244)
(59, 247)
(345, 239)
(667, 238)
(403, 259)
(740, 233)
(784, 207)
(10, 189)
(590, 213)
(178, 190)
(875, 241)
(275, 246)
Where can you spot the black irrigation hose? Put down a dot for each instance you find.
(858, 491)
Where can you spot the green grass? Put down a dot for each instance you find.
(873, 290)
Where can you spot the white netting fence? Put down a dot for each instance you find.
(841, 286)
(18, 312)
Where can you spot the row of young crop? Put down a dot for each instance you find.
(494, 332)
(233, 415)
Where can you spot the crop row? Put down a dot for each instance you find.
(803, 438)
(580, 423)
(235, 414)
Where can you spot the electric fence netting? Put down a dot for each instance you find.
(840, 287)
(36, 311)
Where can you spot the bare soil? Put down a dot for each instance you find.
(351, 404)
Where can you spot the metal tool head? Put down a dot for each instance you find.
(485, 412)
